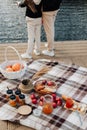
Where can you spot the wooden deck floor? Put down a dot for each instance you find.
(67, 52)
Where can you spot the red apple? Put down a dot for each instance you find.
(59, 103)
(54, 96)
(34, 101)
(54, 104)
(58, 99)
(41, 103)
(32, 96)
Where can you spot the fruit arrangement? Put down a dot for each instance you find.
(14, 67)
(57, 101)
(45, 87)
(73, 105)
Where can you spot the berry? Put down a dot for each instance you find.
(44, 82)
(50, 83)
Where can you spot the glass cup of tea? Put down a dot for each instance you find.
(47, 106)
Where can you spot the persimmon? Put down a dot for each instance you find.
(9, 69)
(9, 66)
(16, 67)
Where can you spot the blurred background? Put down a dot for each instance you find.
(70, 24)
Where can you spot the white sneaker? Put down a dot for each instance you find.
(25, 55)
(36, 52)
(48, 53)
(46, 44)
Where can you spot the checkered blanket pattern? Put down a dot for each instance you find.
(71, 80)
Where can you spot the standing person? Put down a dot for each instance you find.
(50, 9)
(34, 20)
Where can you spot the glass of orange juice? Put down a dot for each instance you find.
(47, 107)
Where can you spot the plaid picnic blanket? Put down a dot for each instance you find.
(71, 80)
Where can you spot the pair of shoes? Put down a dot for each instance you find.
(36, 52)
(25, 55)
(48, 53)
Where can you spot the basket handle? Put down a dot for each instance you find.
(14, 50)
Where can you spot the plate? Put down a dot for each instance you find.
(24, 110)
(45, 86)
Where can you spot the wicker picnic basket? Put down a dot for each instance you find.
(13, 74)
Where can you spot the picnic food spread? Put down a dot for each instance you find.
(67, 90)
(18, 99)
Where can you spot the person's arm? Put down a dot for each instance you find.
(37, 2)
(21, 4)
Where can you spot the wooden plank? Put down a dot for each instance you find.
(3, 125)
(63, 49)
(12, 126)
(24, 128)
(80, 61)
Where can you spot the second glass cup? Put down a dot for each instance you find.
(47, 107)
